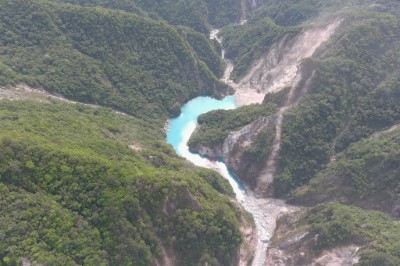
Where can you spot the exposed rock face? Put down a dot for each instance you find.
(265, 212)
(210, 152)
(346, 255)
(343, 256)
(26, 262)
(246, 252)
(249, 244)
(168, 256)
(236, 144)
(280, 67)
(234, 150)
(292, 245)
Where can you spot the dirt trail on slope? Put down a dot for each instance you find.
(24, 92)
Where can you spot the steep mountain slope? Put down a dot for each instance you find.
(198, 15)
(335, 234)
(263, 33)
(345, 92)
(366, 174)
(113, 58)
(84, 186)
(353, 94)
(277, 18)
(242, 137)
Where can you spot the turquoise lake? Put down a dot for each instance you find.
(181, 128)
(189, 114)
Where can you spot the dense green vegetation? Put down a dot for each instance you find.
(295, 12)
(352, 95)
(290, 12)
(335, 224)
(113, 58)
(366, 174)
(35, 226)
(86, 186)
(332, 225)
(72, 191)
(329, 228)
(204, 50)
(195, 14)
(215, 126)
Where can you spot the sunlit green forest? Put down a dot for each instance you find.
(73, 192)
(132, 63)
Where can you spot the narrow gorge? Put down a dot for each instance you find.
(280, 68)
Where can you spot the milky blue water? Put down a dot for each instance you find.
(181, 128)
(189, 114)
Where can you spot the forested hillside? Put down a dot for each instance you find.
(366, 174)
(113, 58)
(198, 15)
(333, 229)
(86, 185)
(215, 126)
(73, 192)
(352, 95)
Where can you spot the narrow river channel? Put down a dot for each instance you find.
(181, 128)
(264, 211)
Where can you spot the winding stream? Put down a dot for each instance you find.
(181, 128)
(264, 211)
